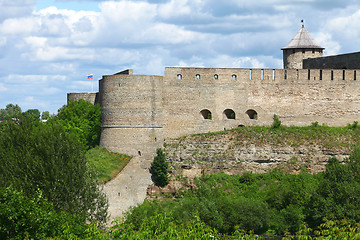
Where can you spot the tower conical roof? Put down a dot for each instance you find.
(302, 39)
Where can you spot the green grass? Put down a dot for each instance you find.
(323, 136)
(106, 163)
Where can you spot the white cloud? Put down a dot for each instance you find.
(19, 26)
(45, 54)
(175, 8)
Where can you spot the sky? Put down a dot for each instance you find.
(48, 47)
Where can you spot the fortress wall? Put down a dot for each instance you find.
(300, 99)
(139, 111)
(90, 97)
(343, 61)
(308, 96)
(131, 113)
(185, 98)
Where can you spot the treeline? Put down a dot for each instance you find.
(13, 111)
(47, 188)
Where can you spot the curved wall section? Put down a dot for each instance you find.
(131, 113)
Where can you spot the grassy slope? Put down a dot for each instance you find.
(322, 136)
(106, 163)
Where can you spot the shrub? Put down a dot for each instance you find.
(276, 123)
(34, 217)
(159, 169)
(353, 125)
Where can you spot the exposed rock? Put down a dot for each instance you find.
(192, 157)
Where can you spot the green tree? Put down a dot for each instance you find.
(84, 119)
(338, 195)
(11, 111)
(159, 169)
(35, 113)
(45, 115)
(41, 156)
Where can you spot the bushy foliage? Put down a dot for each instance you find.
(23, 217)
(35, 113)
(339, 193)
(276, 122)
(45, 156)
(10, 111)
(159, 169)
(45, 115)
(82, 118)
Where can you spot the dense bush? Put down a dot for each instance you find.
(339, 193)
(23, 217)
(41, 156)
(276, 122)
(82, 118)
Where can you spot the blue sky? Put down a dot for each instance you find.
(64, 4)
(47, 47)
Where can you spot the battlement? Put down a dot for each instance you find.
(181, 75)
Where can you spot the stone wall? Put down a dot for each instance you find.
(90, 97)
(343, 61)
(140, 111)
(298, 97)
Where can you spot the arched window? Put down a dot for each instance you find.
(206, 114)
(234, 77)
(197, 76)
(252, 114)
(216, 76)
(179, 76)
(229, 114)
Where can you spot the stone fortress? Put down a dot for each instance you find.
(140, 111)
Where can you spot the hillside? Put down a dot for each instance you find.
(259, 149)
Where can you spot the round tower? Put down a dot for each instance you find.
(301, 47)
(131, 113)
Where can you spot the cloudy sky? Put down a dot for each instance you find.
(47, 47)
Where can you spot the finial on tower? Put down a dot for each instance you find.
(302, 22)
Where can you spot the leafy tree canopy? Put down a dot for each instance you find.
(11, 111)
(82, 118)
(35, 113)
(41, 156)
(45, 115)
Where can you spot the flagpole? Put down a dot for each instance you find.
(91, 77)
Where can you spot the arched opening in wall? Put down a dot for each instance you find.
(234, 77)
(179, 76)
(252, 114)
(206, 114)
(216, 77)
(229, 114)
